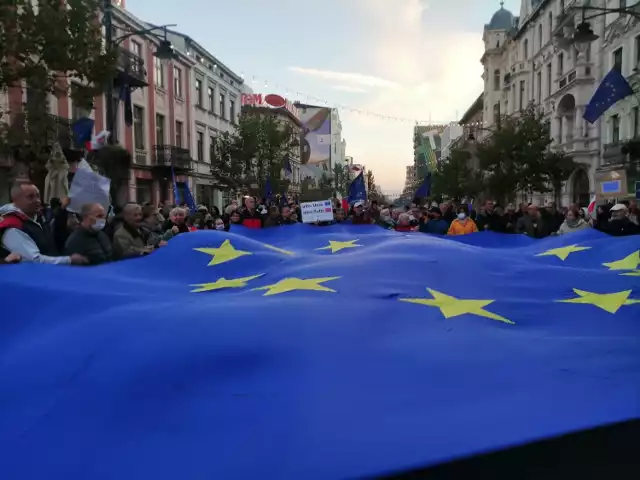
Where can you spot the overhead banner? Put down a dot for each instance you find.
(316, 141)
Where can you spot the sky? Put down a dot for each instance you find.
(417, 60)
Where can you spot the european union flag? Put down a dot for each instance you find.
(357, 189)
(268, 191)
(305, 352)
(614, 87)
(425, 188)
(82, 130)
(188, 199)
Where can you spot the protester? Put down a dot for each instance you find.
(533, 224)
(620, 225)
(462, 225)
(130, 240)
(249, 216)
(274, 219)
(360, 217)
(218, 224)
(404, 224)
(176, 224)
(487, 220)
(24, 234)
(89, 238)
(435, 224)
(572, 223)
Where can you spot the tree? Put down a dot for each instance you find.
(253, 153)
(517, 157)
(370, 181)
(454, 177)
(341, 179)
(42, 48)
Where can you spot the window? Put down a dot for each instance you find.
(37, 100)
(522, 86)
(159, 129)
(200, 146)
(136, 48)
(199, 92)
(222, 105)
(138, 127)
(615, 129)
(232, 111)
(539, 36)
(179, 129)
(635, 121)
(496, 79)
(539, 87)
(212, 148)
(525, 48)
(617, 59)
(623, 3)
(158, 72)
(211, 98)
(550, 17)
(177, 82)
(637, 47)
(549, 80)
(560, 63)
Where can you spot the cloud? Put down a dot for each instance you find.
(351, 78)
(347, 88)
(439, 70)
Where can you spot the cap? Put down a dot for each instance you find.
(435, 210)
(359, 203)
(618, 206)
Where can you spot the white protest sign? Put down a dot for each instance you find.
(312, 212)
(88, 187)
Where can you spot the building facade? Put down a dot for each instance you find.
(527, 59)
(216, 92)
(449, 137)
(621, 123)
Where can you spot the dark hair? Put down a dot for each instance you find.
(462, 209)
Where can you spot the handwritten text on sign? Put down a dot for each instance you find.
(316, 211)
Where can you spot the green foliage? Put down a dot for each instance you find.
(253, 153)
(517, 157)
(370, 181)
(455, 178)
(44, 48)
(341, 179)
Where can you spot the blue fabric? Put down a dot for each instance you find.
(268, 192)
(82, 130)
(614, 87)
(425, 188)
(120, 372)
(174, 185)
(188, 199)
(357, 189)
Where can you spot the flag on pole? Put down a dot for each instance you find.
(357, 190)
(125, 98)
(176, 192)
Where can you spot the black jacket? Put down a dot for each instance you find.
(96, 246)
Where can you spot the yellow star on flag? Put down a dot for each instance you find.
(224, 253)
(278, 249)
(337, 246)
(609, 302)
(563, 252)
(630, 262)
(292, 284)
(635, 273)
(452, 307)
(224, 283)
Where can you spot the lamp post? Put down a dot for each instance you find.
(165, 51)
(584, 35)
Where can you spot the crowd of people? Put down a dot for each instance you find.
(52, 234)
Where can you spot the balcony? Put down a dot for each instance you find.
(130, 68)
(167, 156)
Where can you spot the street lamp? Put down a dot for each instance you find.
(583, 35)
(165, 51)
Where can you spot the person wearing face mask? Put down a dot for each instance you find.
(462, 225)
(89, 239)
(619, 225)
(218, 224)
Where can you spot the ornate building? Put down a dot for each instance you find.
(528, 58)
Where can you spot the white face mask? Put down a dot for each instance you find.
(220, 227)
(462, 216)
(99, 225)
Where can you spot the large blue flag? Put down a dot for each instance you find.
(425, 188)
(614, 87)
(306, 352)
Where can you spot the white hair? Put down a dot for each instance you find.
(175, 211)
(404, 217)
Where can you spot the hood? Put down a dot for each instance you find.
(8, 208)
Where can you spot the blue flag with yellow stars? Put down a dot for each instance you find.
(614, 87)
(307, 352)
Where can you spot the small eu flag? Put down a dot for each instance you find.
(614, 87)
(425, 189)
(357, 189)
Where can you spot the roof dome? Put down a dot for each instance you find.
(503, 19)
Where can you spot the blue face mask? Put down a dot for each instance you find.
(462, 216)
(99, 225)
